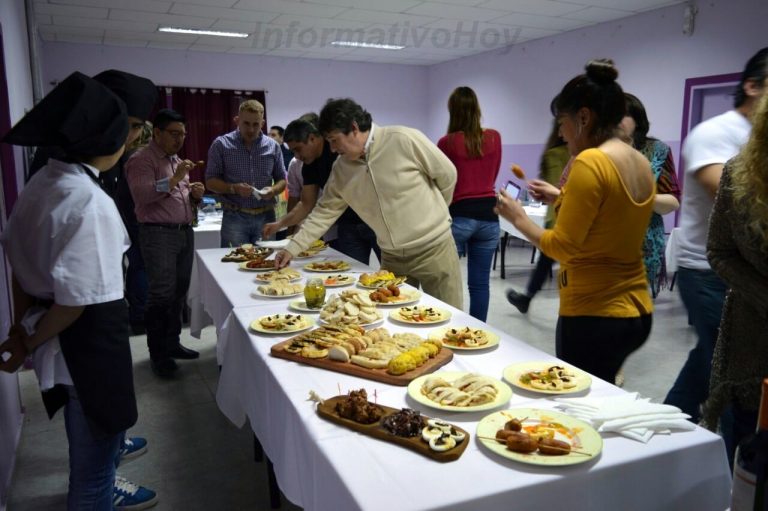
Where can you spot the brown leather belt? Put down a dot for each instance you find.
(249, 211)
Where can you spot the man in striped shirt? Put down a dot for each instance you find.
(246, 168)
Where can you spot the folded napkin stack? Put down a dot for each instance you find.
(629, 415)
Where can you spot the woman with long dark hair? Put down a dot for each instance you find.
(603, 212)
(476, 153)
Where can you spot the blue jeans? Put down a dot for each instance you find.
(703, 294)
(238, 228)
(93, 456)
(477, 239)
(136, 286)
(356, 241)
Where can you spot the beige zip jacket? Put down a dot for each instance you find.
(402, 192)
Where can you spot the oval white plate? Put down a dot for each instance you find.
(409, 297)
(344, 267)
(301, 305)
(584, 437)
(245, 268)
(259, 294)
(444, 316)
(348, 280)
(261, 279)
(414, 390)
(513, 372)
(493, 339)
(256, 326)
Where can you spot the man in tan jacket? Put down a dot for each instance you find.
(400, 184)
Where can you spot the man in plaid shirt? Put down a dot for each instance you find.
(246, 168)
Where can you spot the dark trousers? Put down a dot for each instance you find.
(703, 294)
(599, 345)
(541, 273)
(168, 257)
(136, 284)
(356, 241)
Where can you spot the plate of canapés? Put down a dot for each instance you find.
(465, 337)
(282, 323)
(539, 437)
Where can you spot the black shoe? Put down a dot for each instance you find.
(519, 300)
(164, 368)
(183, 353)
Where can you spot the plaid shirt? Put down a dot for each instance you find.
(260, 165)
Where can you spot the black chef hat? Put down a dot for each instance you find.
(80, 115)
(139, 93)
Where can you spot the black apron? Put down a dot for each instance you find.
(98, 356)
(97, 352)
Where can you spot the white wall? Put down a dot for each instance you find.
(394, 94)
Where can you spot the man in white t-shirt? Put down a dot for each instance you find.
(705, 151)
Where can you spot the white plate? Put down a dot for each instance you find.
(256, 325)
(444, 316)
(414, 390)
(245, 268)
(408, 297)
(262, 278)
(439, 333)
(315, 254)
(513, 372)
(348, 280)
(583, 437)
(301, 305)
(372, 288)
(273, 243)
(257, 293)
(345, 267)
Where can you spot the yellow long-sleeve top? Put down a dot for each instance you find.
(598, 239)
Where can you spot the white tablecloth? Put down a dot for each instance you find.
(323, 466)
(207, 235)
(537, 214)
(217, 287)
(208, 231)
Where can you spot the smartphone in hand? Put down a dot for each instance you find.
(513, 190)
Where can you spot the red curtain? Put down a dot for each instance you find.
(209, 113)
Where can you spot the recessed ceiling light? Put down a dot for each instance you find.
(355, 44)
(201, 32)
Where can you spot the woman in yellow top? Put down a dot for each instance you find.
(602, 215)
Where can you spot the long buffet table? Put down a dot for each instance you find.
(323, 466)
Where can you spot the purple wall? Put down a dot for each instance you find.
(394, 94)
(19, 85)
(515, 85)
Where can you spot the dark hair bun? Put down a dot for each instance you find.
(602, 71)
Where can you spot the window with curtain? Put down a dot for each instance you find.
(209, 113)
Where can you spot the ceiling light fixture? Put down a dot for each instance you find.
(193, 31)
(355, 44)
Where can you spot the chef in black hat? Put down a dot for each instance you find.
(139, 95)
(65, 243)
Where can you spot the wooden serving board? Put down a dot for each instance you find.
(327, 411)
(443, 357)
